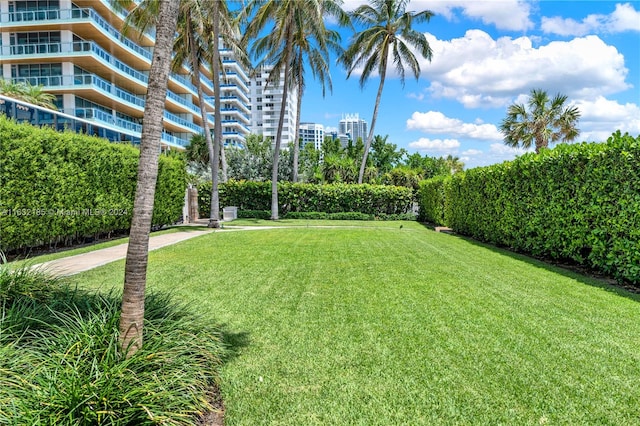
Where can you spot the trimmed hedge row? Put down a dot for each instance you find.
(63, 187)
(578, 202)
(374, 200)
(432, 199)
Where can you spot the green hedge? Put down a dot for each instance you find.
(579, 202)
(373, 200)
(63, 187)
(432, 199)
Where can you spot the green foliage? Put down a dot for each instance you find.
(63, 187)
(427, 167)
(402, 176)
(255, 162)
(373, 200)
(577, 202)
(60, 362)
(432, 200)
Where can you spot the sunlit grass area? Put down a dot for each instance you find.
(92, 247)
(401, 325)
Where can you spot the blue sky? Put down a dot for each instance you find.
(489, 54)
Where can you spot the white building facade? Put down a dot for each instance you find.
(311, 133)
(266, 104)
(354, 126)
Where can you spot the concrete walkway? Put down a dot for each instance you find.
(83, 262)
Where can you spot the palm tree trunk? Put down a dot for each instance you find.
(135, 278)
(214, 222)
(296, 146)
(276, 152)
(223, 164)
(367, 146)
(195, 66)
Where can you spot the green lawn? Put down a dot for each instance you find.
(388, 325)
(100, 245)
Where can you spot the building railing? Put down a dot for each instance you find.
(46, 15)
(181, 121)
(73, 47)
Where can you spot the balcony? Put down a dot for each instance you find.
(17, 21)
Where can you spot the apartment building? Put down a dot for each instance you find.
(266, 104)
(311, 133)
(75, 49)
(353, 126)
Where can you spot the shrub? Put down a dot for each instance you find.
(374, 200)
(62, 187)
(432, 199)
(61, 365)
(575, 202)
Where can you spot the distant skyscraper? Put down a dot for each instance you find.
(354, 126)
(266, 103)
(311, 133)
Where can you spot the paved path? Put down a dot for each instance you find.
(83, 262)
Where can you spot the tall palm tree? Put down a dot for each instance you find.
(276, 48)
(221, 26)
(135, 279)
(543, 122)
(454, 164)
(316, 56)
(388, 32)
(192, 46)
(201, 24)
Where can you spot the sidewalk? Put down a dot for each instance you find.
(83, 262)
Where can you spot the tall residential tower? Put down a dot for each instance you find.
(76, 51)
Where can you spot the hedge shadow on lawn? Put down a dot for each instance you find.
(566, 269)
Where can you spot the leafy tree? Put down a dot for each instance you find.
(388, 32)
(384, 155)
(316, 54)
(310, 164)
(426, 166)
(330, 146)
(540, 122)
(255, 161)
(290, 18)
(135, 279)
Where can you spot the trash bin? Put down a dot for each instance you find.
(229, 213)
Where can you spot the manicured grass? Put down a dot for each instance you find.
(330, 223)
(390, 325)
(88, 248)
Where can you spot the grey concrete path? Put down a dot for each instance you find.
(83, 262)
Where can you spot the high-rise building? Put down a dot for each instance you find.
(354, 126)
(77, 52)
(235, 102)
(311, 133)
(266, 104)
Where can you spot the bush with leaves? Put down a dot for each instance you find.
(373, 200)
(59, 188)
(575, 202)
(60, 360)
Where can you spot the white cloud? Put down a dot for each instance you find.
(436, 122)
(472, 152)
(602, 116)
(478, 71)
(416, 96)
(623, 18)
(436, 145)
(504, 14)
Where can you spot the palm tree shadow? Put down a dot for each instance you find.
(233, 342)
(567, 269)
